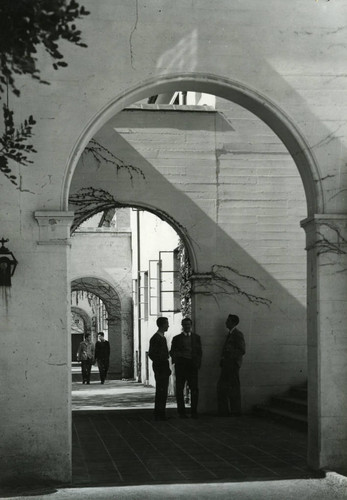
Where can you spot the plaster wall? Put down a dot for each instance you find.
(285, 61)
(154, 235)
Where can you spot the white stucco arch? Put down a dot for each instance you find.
(280, 123)
(232, 90)
(153, 210)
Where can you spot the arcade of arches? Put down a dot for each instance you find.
(234, 180)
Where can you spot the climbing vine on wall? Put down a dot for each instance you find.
(225, 280)
(335, 244)
(103, 156)
(89, 201)
(185, 272)
(95, 291)
(26, 25)
(221, 279)
(327, 245)
(92, 299)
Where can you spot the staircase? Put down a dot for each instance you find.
(289, 408)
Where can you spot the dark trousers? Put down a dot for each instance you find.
(86, 368)
(186, 371)
(161, 389)
(103, 365)
(228, 390)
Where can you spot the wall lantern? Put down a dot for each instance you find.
(8, 264)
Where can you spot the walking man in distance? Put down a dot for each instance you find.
(102, 356)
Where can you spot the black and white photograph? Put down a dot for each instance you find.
(173, 249)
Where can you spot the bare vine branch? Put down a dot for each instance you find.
(90, 201)
(216, 282)
(103, 155)
(325, 245)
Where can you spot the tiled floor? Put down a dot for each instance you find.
(123, 447)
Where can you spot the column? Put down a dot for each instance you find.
(326, 237)
(115, 339)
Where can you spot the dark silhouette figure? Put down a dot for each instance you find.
(86, 355)
(186, 354)
(159, 354)
(102, 356)
(228, 387)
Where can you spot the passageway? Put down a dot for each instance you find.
(114, 395)
(116, 445)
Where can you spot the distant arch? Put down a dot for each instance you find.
(119, 342)
(101, 289)
(85, 316)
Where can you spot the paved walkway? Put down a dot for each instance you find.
(121, 443)
(113, 395)
(122, 448)
(120, 452)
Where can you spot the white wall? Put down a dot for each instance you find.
(155, 235)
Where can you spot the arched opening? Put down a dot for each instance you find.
(144, 282)
(81, 324)
(184, 213)
(231, 90)
(102, 305)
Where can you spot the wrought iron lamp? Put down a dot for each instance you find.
(8, 264)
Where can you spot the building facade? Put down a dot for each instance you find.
(284, 63)
(101, 283)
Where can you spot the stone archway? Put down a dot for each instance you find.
(231, 90)
(121, 345)
(77, 337)
(85, 316)
(299, 150)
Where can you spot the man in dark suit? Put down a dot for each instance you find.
(102, 356)
(159, 354)
(86, 355)
(186, 354)
(228, 388)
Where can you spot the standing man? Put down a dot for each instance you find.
(102, 356)
(159, 354)
(228, 388)
(85, 354)
(186, 354)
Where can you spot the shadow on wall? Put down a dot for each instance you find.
(325, 143)
(275, 336)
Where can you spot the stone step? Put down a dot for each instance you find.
(289, 408)
(298, 392)
(293, 419)
(291, 404)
